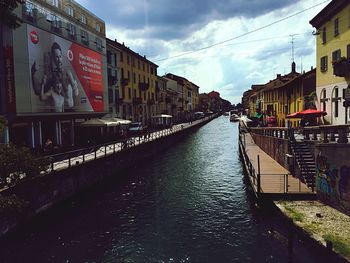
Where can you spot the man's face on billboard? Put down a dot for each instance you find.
(57, 59)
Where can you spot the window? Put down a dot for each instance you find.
(83, 19)
(56, 24)
(336, 27)
(121, 56)
(98, 44)
(70, 10)
(109, 59)
(84, 37)
(71, 30)
(128, 59)
(348, 51)
(336, 55)
(138, 64)
(56, 3)
(324, 63)
(324, 36)
(134, 77)
(98, 28)
(335, 101)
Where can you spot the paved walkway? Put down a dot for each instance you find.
(275, 179)
(112, 148)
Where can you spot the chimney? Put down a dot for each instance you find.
(278, 76)
(293, 67)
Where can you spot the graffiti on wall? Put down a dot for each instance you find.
(333, 183)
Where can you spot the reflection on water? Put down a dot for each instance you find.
(189, 204)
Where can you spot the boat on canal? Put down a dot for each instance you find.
(234, 117)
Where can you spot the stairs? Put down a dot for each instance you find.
(305, 161)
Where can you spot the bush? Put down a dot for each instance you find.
(18, 163)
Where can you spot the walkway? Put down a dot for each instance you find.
(274, 178)
(69, 159)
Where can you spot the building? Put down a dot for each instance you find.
(55, 72)
(161, 95)
(188, 101)
(333, 54)
(255, 101)
(113, 75)
(136, 99)
(204, 102)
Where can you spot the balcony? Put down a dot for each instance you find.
(137, 101)
(112, 80)
(124, 82)
(341, 67)
(143, 86)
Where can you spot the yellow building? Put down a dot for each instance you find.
(137, 85)
(333, 53)
(276, 97)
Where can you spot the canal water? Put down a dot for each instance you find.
(188, 204)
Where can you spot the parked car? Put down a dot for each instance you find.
(136, 128)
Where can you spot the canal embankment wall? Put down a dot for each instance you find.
(34, 196)
(276, 148)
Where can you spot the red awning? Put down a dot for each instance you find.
(293, 115)
(307, 113)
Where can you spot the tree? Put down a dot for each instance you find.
(7, 16)
(18, 163)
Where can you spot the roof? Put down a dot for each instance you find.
(328, 12)
(116, 44)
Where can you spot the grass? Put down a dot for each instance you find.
(313, 227)
(294, 214)
(340, 245)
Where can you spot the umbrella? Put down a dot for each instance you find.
(98, 123)
(162, 116)
(118, 120)
(310, 113)
(293, 115)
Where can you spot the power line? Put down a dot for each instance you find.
(245, 34)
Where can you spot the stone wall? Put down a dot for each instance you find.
(43, 192)
(333, 175)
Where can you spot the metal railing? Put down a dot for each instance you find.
(268, 183)
(68, 159)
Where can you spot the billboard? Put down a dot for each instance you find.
(65, 76)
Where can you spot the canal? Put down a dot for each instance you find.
(189, 204)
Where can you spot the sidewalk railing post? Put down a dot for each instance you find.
(258, 175)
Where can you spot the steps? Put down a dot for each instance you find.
(305, 161)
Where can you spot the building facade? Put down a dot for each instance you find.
(55, 72)
(332, 56)
(136, 86)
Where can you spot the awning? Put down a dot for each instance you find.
(311, 113)
(98, 123)
(258, 115)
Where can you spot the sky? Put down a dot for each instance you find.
(221, 45)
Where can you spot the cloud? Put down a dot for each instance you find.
(168, 28)
(173, 19)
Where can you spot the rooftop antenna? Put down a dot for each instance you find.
(292, 46)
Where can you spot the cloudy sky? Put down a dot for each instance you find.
(222, 45)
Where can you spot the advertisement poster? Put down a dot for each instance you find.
(65, 76)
